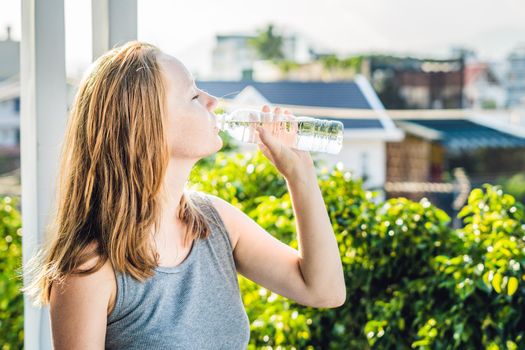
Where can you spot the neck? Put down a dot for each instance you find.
(175, 180)
(170, 230)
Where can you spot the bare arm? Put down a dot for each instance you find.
(314, 275)
(272, 264)
(78, 310)
(319, 260)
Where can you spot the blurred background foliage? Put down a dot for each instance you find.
(412, 281)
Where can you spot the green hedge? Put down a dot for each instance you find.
(412, 281)
(515, 185)
(11, 301)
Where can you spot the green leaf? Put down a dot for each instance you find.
(496, 282)
(511, 345)
(475, 195)
(465, 211)
(487, 277)
(512, 285)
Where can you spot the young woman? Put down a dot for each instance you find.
(133, 259)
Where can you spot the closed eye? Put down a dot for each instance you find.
(195, 97)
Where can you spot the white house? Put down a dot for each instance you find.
(9, 114)
(9, 94)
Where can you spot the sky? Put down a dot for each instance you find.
(186, 29)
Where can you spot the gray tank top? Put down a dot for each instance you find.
(194, 305)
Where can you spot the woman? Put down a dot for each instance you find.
(136, 261)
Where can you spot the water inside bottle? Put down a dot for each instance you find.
(301, 134)
(244, 131)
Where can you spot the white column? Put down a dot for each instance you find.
(114, 22)
(43, 117)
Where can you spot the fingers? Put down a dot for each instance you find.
(277, 114)
(288, 116)
(261, 144)
(276, 117)
(272, 145)
(276, 111)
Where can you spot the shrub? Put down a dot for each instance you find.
(514, 186)
(11, 301)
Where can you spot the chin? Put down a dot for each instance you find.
(221, 143)
(216, 147)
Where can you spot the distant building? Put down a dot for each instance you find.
(410, 83)
(516, 77)
(233, 57)
(10, 120)
(9, 98)
(354, 103)
(437, 142)
(9, 115)
(311, 71)
(10, 54)
(482, 87)
(9, 125)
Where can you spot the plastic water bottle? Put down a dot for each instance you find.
(303, 133)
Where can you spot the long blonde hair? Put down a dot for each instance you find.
(112, 165)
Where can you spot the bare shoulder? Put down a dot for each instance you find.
(103, 281)
(79, 307)
(228, 213)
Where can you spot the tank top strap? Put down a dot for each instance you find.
(213, 216)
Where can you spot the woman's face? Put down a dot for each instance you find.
(190, 121)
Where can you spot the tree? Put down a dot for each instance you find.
(268, 44)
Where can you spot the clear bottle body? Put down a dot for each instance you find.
(302, 133)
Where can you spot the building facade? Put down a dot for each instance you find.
(516, 78)
(233, 57)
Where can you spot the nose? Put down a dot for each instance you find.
(212, 102)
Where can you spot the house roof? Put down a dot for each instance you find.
(358, 123)
(314, 94)
(461, 134)
(476, 70)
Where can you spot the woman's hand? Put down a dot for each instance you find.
(293, 164)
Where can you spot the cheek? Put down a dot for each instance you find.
(182, 126)
(187, 137)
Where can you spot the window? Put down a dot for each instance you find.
(364, 166)
(17, 104)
